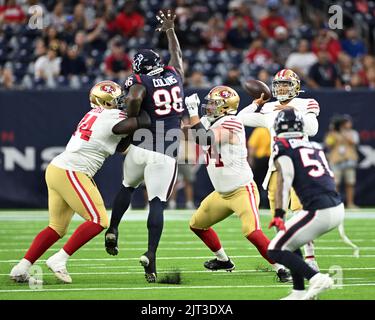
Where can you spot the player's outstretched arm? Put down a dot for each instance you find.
(167, 26)
(129, 125)
(134, 98)
(250, 118)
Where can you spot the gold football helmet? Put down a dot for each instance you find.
(221, 100)
(106, 94)
(286, 85)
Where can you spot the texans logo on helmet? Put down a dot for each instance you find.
(137, 62)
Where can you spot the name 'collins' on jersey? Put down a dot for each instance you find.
(164, 104)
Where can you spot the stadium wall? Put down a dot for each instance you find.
(36, 125)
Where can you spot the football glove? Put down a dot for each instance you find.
(192, 102)
(278, 223)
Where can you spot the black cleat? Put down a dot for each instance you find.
(215, 264)
(283, 275)
(111, 246)
(148, 262)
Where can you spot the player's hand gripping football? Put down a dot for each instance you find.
(261, 101)
(167, 22)
(278, 223)
(192, 103)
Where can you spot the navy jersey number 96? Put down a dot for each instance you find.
(164, 104)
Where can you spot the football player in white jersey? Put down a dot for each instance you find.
(230, 174)
(70, 185)
(285, 88)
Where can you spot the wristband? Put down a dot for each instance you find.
(279, 213)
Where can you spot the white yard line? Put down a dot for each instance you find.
(188, 258)
(189, 249)
(168, 288)
(220, 273)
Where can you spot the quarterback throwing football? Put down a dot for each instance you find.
(235, 191)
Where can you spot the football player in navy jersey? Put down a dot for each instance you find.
(151, 157)
(302, 165)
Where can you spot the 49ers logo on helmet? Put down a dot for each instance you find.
(225, 94)
(107, 88)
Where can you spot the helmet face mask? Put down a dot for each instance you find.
(286, 85)
(221, 100)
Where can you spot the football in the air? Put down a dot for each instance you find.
(255, 88)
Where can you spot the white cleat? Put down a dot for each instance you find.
(313, 264)
(58, 267)
(318, 283)
(356, 252)
(20, 274)
(295, 295)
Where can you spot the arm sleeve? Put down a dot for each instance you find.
(287, 173)
(311, 124)
(252, 119)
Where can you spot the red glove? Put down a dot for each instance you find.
(278, 223)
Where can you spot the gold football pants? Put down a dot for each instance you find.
(216, 207)
(295, 204)
(69, 192)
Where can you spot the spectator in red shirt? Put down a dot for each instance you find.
(258, 54)
(12, 12)
(327, 41)
(117, 64)
(272, 21)
(129, 21)
(238, 9)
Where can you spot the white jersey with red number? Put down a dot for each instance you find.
(92, 142)
(227, 163)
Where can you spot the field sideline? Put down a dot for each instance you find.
(96, 275)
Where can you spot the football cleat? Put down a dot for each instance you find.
(148, 262)
(215, 264)
(318, 283)
(295, 295)
(59, 269)
(110, 242)
(283, 275)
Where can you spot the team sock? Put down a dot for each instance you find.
(155, 223)
(120, 205)
(294, 262)
(261, 242)
(309, 250)
(209, 237)
(41, 243)
(84, 233)
(221, 255)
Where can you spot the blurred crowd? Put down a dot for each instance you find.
(223, 42)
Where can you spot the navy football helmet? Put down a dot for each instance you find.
(289, 123)
(147, 62)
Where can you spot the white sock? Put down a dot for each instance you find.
(277, 266)
(221, 255)
(62, 255)
(25, 263)
(309, 250)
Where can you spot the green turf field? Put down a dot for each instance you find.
(96, 275)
